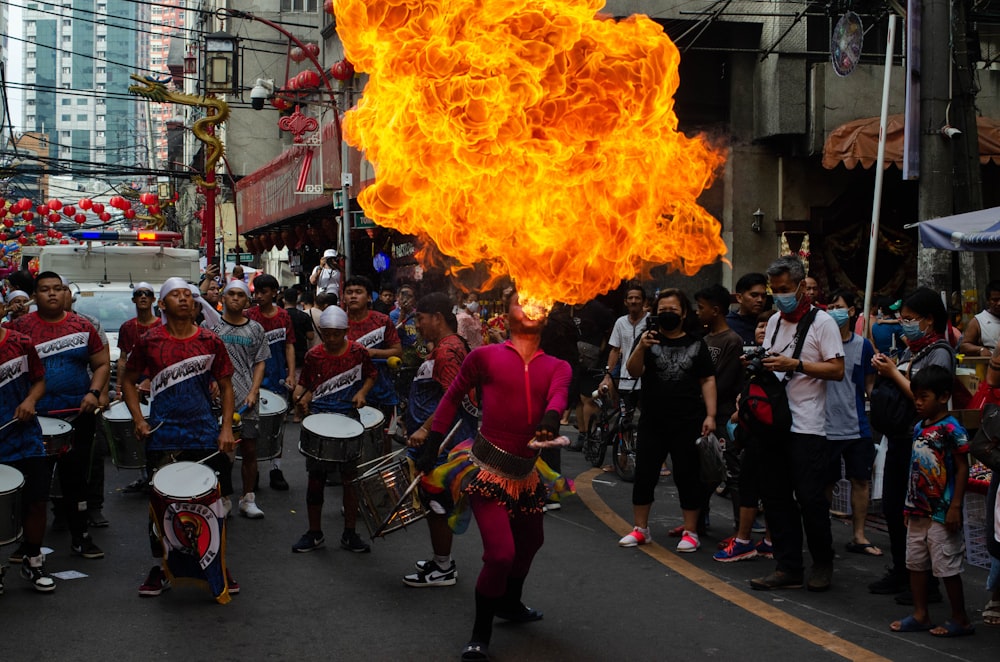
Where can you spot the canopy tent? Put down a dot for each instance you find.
(972, 231)
(857, 142)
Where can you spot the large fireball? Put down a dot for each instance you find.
(530, 135)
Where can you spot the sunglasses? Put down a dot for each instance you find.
(142, 293)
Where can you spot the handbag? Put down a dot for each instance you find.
(985, 395)
(713, 464)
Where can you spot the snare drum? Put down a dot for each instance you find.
(57, 435)
(11, 486)
(374, 422)
(270, 426)
(184, 481)
(331, 437)
(127, 452)
(380, 488)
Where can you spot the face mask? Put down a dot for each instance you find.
(472, 306)
(912, 330)
(786, 303)
(668, 320)
(839, 316)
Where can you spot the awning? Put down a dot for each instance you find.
(972, 231)
(857, 142)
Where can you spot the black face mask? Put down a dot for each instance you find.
(668, 321)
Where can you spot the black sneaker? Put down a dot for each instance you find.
(17, 555)
(310, 540)
(777, 579)
(891, 582)
(34, 571)
(97, 519)
(431, 574)
(278, 481)
(86, 548)
(155, 583)
(352, 542)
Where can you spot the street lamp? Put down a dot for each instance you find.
(221, 64)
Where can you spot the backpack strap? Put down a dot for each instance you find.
(802, 329)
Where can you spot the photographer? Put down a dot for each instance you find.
(326, 276)
(793, 466)
(678, 405)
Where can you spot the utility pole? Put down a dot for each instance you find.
(935, 190)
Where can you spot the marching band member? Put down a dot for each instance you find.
(181, 359)
(524, 392)
(336, 378)
(248, 351)
(69, 346)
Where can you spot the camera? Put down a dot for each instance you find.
(653, 326)
(755, 360)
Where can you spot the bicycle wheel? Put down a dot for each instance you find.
(624, 453)
(594, 447)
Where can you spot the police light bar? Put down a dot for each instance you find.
(142, 236)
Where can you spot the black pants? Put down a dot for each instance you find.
(895, 480)
(794, 472)
(74, 475)
(95, 482)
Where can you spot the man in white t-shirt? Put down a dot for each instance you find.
(628, 328)
(326, 276)
(793, 468)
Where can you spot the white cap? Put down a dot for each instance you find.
(171, 284)
(16, 294)
(333, 317)
(236, 285)
(330, 252)
(143, 285)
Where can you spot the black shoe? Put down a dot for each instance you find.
(36, 574)
(352, 542)
(97, 519)
(475, 651)
(777, 579)
(86, 548)
(820, 578)
(278, 481)
(519, 614)
(891, 582)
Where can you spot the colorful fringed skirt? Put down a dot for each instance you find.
(477, 466)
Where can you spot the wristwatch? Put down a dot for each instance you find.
(800, 367)
(94, 392)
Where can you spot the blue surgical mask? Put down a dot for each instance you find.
(786, 303)
(839, 315)
(911, 329)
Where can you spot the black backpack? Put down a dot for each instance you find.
(764, 409)
(892, 411)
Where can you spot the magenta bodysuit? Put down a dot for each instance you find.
(514, 394)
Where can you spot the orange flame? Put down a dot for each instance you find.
(530, 135)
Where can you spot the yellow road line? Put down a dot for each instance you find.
(798, 627)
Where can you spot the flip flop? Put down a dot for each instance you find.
(867, 548)
(665, 472)
(910, 624)
(953, 629)
(991, 613)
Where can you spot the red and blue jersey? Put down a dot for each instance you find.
(376, 331)
(433, 378)
(180, 371)
(65, 348)
(278, 332)
(334, 379)
(20, 367)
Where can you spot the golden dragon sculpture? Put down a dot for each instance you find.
(217, 112)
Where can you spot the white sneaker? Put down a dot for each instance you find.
(689, 542)
(248, 507)
(227, 506)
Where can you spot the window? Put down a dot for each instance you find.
(67, 38)
(100, 134)
(67, 102)
(31, 102)
(81, 102)
(298, 5)
(100, 102)
(31, 120)
(66, 118)
(102, 70)
(66, 71)
(67, 22)
(65, 134)
(82, 118)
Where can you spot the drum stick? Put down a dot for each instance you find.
(209, 457)
(413, 484)
(8, 424)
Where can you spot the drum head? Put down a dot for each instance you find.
(10, 479)
(371, 417)
(119, 412)
(336, 426)
(184, 480)
(271, 403)
(53, 427)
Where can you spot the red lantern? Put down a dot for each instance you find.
(69, 210)
(55, 204)
(312, 49)
(40, 240)
(279, 240)
(251, 244)
(42, 210)
(80, 218)
(267, 241)
(64, 241)
(58, 235)
(98, 208)
(297, 54)
(15, 208)
(25, 203)
(310, 78)
(27, 216)
(3, 236)
(86, 203)
(3, 212)
(23, 240)
(8, 223)
(280, 104)
(53, 217)
(29, 228)
(130, 213)
(328, 7)
(104, 216)
(153, 209)
(342, 70)
(117, 201)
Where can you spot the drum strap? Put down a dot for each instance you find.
(498, 461)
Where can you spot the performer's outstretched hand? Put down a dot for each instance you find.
(548, 429)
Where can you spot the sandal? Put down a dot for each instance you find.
(991, 613)
(475, 651)
(953, 629)
(910, 624)
(866, 548)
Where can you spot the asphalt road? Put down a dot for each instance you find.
(600, 602)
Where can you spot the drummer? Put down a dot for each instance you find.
(143, 297)
(437, 325)
(181, 359)
(22, 386)
(248, 350)
(336, 378)
(69, 347)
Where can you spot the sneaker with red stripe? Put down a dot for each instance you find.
(636, 538)
(689, 542)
